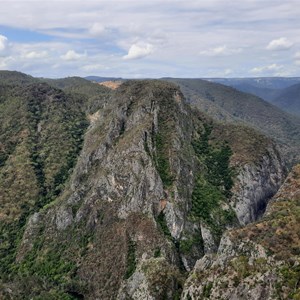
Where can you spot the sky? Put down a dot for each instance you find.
(153, 39)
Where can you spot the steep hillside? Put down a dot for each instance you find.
(229, 105)
(16, 78)
(155, 187)
(41, 132)
(289, 99)
(281, 92)
(267, 94)
(91, 94)
(260, 261)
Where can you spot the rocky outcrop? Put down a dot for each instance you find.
(255, 185)
(153, 279)
(127, 199)
(260, 261)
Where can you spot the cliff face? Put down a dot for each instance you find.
(259, 261)
(259, 170)
(256, 184)
(155, 187)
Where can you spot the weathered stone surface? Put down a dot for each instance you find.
(256, 184)
(64, 218)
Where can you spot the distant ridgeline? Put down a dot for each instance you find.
(284, 92)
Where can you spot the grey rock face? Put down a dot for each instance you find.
(257, 261)
(136, 287)
(208, 240)
(174, 219)
(32, 230)
(211, 278)
(256, 184)
(64, 218)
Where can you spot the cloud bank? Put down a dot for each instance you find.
(133, 38)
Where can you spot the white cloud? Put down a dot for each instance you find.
(97, 29)
(228, 72)
(5, 62)
(71, 55)
(297, 55)
(231, 36)
(270, 68)
(3, 42)
(137, 51)
(221, 51)
(35, 54)
(3, 45)
(297, 58)
(280, 44)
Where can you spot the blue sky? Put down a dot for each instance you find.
(158, 38)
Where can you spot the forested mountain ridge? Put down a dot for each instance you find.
(117, 194)
(227, 104)
(282, 92)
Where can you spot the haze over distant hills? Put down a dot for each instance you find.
(289, 99)
(276, 90)
(258, 82)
